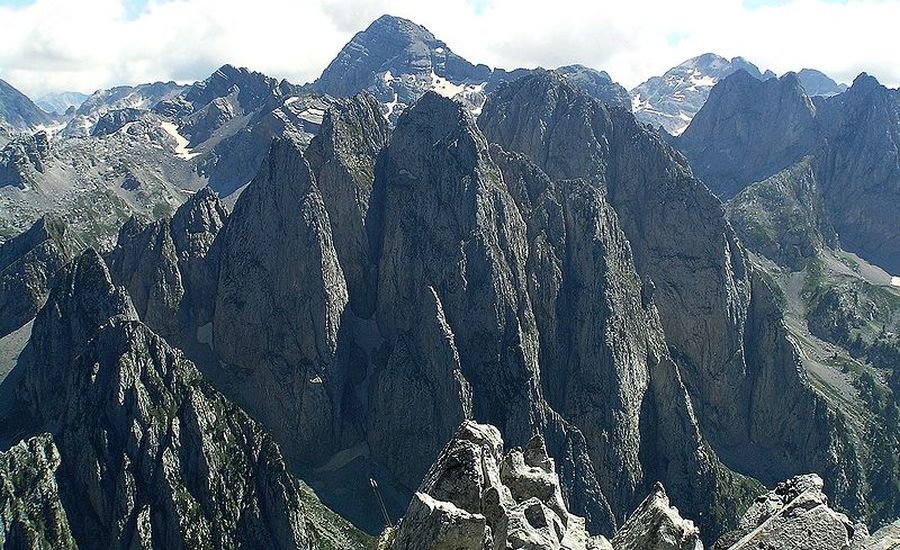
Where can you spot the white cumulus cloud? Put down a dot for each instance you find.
(55, 45)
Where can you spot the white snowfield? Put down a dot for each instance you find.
(181, 143)
(895, 281)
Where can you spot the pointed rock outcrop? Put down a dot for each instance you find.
(151, 454)
(169, 268)
(450, 224)
(601, 237)
(763, 126)
(657, 525)
(342, 157)
(794, 515)
(279, 302)
(31, 514)
(476, 497)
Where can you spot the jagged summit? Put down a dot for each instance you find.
(672, 100)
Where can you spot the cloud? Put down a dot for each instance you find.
(54, 45)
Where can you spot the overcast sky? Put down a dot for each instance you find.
(56, 45)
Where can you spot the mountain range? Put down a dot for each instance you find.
(423, 303)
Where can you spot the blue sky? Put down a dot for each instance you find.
(83, 45)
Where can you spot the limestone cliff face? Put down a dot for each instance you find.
(168, 266)
(450, 224)
(764, 126)
(448, 232)
(31, 514)
(418, 395)
(678, 235)
(28, 264)
(279, 301)
(783, 217)
(151, 455)
(750, 130)
(695, 272)
(342, 157)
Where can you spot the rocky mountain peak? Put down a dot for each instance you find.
(17, 111)
(817, 83)
(672, 100)
(28, 264)
(864, 82)
(761, 127)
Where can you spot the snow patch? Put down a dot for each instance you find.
(312, 115)
(895, 281)
(290, 100)
(444, 87)
(181, 143)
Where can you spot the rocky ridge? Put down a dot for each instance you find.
(31, 515)
(178, 463)
(28, 265)
(751, 130)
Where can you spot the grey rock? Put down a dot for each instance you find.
(165, 460)
(657, 525)
(31, 514)
(60, 103)
(475, 497)
(342, 157)
(28, 265)
(23, 158)
(168, 269)
(761, 127)
(672, 100)
(783, 217)
(420, 396)
(794, 515)
(398, 61)
(450, 224)
(597, 84)
(142, 96)
(279, 302)
(112, 121)
(682, 242)
(817, 83)
(18, 112)
(749, 131)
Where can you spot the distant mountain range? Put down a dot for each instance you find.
(60, 103)
(499, 305)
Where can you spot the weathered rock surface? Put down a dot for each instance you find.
(760, 127)
(31, 514)
(672, 99)
(701, 285)
(28, 265)
(279, 302)
(783, 217)
(17, 111)
(22, 158)
(794, 515)
(475, 497)
(342, 157)
(151, 454)
(656, 525)
(166, 266)
(750, 130)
